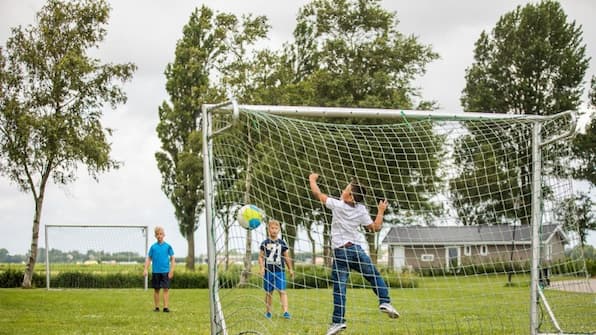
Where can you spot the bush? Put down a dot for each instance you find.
(312, 276)
(14, 278)
(591, 267)
(189, 280)
(306, 277)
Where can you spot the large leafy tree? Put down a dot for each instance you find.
(532, 62)
(211, 45)
(51, 99)
(577, 214)
(584, 145)
(346, 54)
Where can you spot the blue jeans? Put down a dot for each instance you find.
(353, 258)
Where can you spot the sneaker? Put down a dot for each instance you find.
(268, 315)
(286, 315)
(389, 310)
(336, 328)
(156, 309)
(166, 310)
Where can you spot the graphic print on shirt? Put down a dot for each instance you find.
(273, 253)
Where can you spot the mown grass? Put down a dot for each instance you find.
(441, 305)
(106, 311)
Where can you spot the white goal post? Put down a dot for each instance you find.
(472, 224)
(95, 245)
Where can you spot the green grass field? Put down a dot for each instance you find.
(475, 306)
(107, 311)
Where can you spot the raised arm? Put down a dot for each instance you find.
(316, 191)
(378, 223)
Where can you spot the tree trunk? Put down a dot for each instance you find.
(372, 250)
(28, 276)
(313, 246)
(226, 247)
(190, 256)
(327, 251)
(244, 276)
(291, 238)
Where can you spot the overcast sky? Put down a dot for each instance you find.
(145, 33)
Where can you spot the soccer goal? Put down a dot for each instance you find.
(473, 239)
(95, 256)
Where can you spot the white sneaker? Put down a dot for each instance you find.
(335, 328)
(389, 310)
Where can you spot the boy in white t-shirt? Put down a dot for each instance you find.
(348, 214)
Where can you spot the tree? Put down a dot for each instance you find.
(345, 53)
(584, 145)
(210, 45)
(577, 215)
(533, 62)
(51, 99)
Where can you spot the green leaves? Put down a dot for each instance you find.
(533, 62)
(51, 99)
(209, 62)
(360, 58)
(53, 94)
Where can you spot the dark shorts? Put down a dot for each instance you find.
(274, 281)
(160, 280)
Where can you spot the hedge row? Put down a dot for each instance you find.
(307, 277)
(567, 266)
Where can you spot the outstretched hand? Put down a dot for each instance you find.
(316, 191)
(382, 206)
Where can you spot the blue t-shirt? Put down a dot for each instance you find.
(160, 254)
(274, 254)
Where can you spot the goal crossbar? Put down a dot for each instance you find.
(342, 112)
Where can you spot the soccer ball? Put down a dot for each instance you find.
(250, 216)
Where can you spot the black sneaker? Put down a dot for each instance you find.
(166, 310)
(156, 309)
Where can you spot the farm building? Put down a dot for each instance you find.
(450, 247)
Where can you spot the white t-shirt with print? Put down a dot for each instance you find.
(345, 222)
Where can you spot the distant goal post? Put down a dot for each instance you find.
(132, 241)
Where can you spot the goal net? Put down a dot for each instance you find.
(468, 245)
(95, 256)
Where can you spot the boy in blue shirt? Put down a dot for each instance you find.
(161, 255)
(273, 257)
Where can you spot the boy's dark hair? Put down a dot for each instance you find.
(358, 191)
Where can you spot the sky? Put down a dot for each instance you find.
(146, 32)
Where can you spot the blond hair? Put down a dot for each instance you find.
(158, 229)
(273, 222)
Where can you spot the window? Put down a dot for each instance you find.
(427, 258)
(468, 250)
(483, 250)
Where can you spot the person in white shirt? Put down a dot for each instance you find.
(348, 214)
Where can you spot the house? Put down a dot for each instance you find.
(450, 247)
